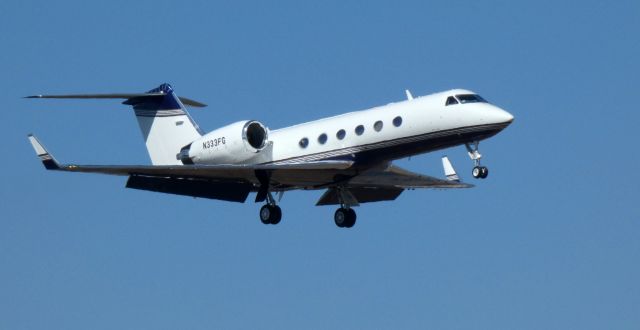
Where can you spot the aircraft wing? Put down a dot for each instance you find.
(201, 171)
(386, 184)
(225, 182)
(235, 182)
(397, 177)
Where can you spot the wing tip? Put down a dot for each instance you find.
(449, 171)
(47, 159)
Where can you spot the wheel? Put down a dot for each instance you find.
(276, 215)
(270, 214)
(477, 172)
(265, 214)
(484, 172)
(351, 218)
(341, 217)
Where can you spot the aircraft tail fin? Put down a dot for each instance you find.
(163, 119)
(165, 124)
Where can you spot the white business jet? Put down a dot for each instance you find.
(349, 156)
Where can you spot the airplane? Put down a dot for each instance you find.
(349, 156)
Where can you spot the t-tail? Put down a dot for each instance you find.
(164, 121)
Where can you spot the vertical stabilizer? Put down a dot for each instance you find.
(165, 124)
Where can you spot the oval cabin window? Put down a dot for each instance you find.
(397, 121)
(322, 139)
(304, 142)
(378, 126)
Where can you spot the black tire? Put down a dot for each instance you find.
(477, 172)
(341, 217)
(484, 172)
(276, 216)
(351, 218)
(266, 212)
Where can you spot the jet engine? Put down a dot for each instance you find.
(231, 144)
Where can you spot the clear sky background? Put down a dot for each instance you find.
(549, 241)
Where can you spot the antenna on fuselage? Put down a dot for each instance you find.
(409, 96)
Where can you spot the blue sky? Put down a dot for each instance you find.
(549, 241)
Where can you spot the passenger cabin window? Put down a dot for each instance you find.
(304, 142)
(397, 121)
(359, 130)
(322, 139)
(470, 98)
(451, 100)
(341, 134)
(378, 126)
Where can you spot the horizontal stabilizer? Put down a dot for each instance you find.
(165, 124)
(127, 96)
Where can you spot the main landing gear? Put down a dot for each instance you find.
(345, 217)
(478, 172)
(270, 213)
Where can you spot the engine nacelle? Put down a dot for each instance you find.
(231, 144)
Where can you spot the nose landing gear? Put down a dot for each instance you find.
(478, 172)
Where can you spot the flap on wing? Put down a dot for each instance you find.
(395, 176)
(361, 194)
(227, 191)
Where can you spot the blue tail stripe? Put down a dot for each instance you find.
(168, 101)
(164, 88)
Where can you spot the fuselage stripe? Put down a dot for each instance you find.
(384, 144)
(159, 113)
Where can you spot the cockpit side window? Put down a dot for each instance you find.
(470, 98)
(451, 100)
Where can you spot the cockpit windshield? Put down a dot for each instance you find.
(451, 100)
(470, 98)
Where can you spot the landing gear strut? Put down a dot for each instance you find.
(270, 213)
(478, 172)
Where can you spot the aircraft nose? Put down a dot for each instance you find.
(508, 118)
(501, 116)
